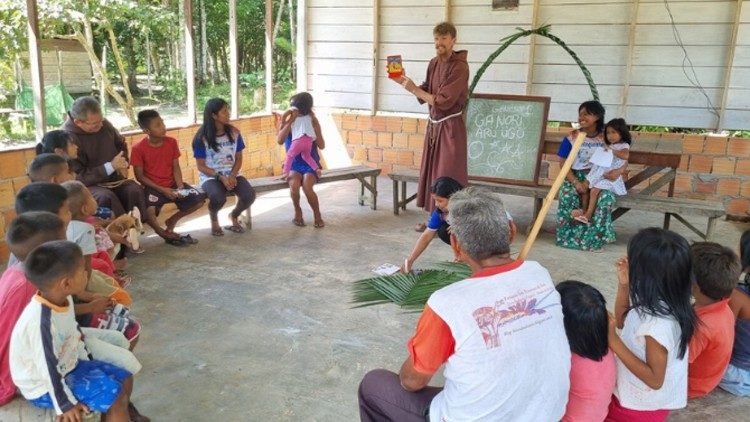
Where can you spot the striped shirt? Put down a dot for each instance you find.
(45, 346)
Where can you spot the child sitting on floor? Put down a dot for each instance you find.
(592, 370)
(653, 310)
(736, 380)
(156, 164)
(49, 359)
(305, 128)
(24, 233)
(617, 137)
(716, 270)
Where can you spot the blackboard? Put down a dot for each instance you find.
(506, 137)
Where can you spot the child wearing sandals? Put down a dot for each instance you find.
(618, 139)
(657, 321)
(156, 164)
(305, 129)
(593, 369)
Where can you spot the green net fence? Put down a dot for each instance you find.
(57, 102)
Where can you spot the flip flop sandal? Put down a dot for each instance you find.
(124, 280)
(299, 223)
(217, 233)
(188, 240)
(235, 229)
(320, 225)
(174, 242)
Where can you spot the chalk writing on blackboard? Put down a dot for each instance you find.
(505, 135)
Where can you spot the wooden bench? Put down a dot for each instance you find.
(361, 173)
(659, 159)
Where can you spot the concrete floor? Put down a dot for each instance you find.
(258, 327)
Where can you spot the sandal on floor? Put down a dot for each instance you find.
(320, 225)
(235, 229)
(299, 223)
(174, 242)
(188, 240)
(218, 232)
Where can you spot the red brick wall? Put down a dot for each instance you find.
(261, 157)
(712, 168)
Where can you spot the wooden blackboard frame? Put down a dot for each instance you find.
(540, 148)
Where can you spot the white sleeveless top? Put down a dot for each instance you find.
(303, 125)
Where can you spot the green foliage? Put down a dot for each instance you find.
(409, 291)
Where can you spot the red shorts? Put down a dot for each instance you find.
(617, 413)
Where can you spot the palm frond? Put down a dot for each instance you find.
(409, 291)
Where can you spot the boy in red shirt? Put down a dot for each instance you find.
(25, 232)
(716, 269)
(155, 160)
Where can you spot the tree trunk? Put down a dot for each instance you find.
(278, 21)
(132, 81)
(181, 47)
(293, 39)
(204, 43)
(223, 60)
(155, 59)
(128, 106)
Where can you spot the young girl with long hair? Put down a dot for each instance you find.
(217, 148)
(656, 318)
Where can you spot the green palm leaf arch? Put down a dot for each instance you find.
(543, 31)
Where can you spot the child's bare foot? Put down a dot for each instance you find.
(319, 224)
(576, 213)
(582, 219)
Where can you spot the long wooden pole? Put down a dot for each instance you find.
(730, 65)
(629, 64)
(551, 195)
(35, 67)
(234, 77)
(375, 55)
(301, 45)
(532, 48)
(269, 56)
(187, 6)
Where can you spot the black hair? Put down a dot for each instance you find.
(27, 225)
(46, 166)
(445, 186)
(51, 261)
(585, 318)
(303, 101)
(41, 196)
(53, 139)
(76, 195)
(745, 249)
(207, 131)
(620, 127)
(661, 277)
(145, 117)
(716, 269)
(596, 108)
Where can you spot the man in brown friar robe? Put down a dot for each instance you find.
(445, 90)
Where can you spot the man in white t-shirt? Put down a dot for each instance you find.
(499, 333)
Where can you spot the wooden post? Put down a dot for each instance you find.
(447, 11)
(148, 66)
(187, 6)
(629, 64)
(375, 55)
(35, 67)
(269, 56)
(301, 45)
(532, 48)
(730, 64)
(234, 79)
(102, 85)
(551, 195)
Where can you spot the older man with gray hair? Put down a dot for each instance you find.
(499, 333)
(102, 163)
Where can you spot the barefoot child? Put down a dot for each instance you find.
(305, 128)
(593, 369)
(49, 360)
(156, 163)
(653, 310)
(617, 138)
(716, 270)
(736, 379)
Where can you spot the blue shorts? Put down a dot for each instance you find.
(94, 383)
(736, 380)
